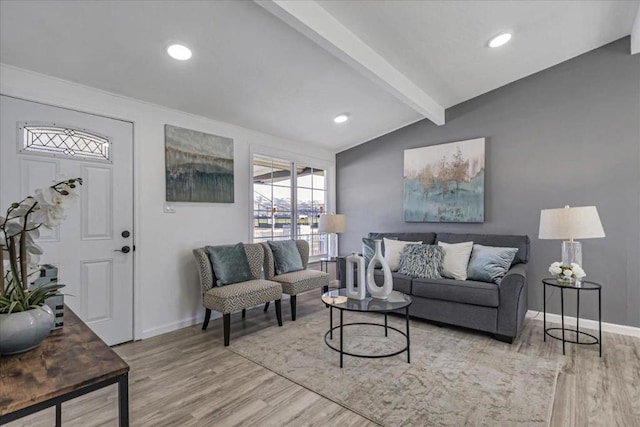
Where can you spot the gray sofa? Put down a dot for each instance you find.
(497, 309)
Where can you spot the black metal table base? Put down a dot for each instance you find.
(123, 401)
(329, 336)
(563, 330)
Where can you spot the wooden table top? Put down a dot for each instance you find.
(68, 359)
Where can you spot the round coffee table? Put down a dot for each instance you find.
(338, 299)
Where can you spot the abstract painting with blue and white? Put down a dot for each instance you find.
(445, 182)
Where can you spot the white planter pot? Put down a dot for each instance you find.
(24, 331)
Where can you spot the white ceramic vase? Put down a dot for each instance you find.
(380, 292)
(353, 292)
(24, 331)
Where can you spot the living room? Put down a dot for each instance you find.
(561, 124)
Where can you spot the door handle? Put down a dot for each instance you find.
(124, 250)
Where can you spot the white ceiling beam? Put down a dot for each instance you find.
(635, 34)
(313, 21)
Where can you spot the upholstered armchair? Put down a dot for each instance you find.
(295, 282)
(236, 296)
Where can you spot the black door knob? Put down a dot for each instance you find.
(125, 234)
(124, 250)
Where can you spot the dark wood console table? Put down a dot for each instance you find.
(71, 361)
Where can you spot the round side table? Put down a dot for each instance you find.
(583, 286)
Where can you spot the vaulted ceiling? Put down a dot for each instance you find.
(287, 68)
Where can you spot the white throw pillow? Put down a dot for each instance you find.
(456, 259)
(392, 251)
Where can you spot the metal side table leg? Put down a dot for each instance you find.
(600, 320)
(341, 338)
(562, 316)
(123, 400)
(544, 311)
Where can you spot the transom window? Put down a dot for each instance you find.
(288, 199)
(65, 141)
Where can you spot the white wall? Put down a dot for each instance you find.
(166, 294)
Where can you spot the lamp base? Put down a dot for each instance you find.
(571, 252)
(333, 245)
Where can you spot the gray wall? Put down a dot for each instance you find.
(566, 135)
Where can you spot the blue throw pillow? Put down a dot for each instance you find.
(369, 248)
(489, 263)
(287, 256)
(423, 261)
(230, 264)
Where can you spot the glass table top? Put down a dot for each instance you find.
(338, 299)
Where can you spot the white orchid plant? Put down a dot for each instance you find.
(567, 273)
(20, 253)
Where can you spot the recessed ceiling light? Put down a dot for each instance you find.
(341, 118)
(500, 40)
(179, 52)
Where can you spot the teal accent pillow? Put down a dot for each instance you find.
(369, 248)
(287, 256)
(423, 261)
(489, 263)
(230, 264)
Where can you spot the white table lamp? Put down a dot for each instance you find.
(568, 223)
(332, 224)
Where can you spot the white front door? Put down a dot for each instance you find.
(98, 278)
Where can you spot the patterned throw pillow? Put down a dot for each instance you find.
(287, 256)
(392, 251)
(423, 261)
(229, 263)
(489, 263)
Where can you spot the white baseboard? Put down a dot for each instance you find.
(174, 326)
(185, 323)
(586, 323)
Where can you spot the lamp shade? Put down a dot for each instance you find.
(582, 222)
(335, 223)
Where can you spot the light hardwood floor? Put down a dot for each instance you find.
(187, 378)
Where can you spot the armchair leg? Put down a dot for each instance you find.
(207, 316)
(266, 306)
(244, 313)
(226, 319)
(293, 307)
(278, 312)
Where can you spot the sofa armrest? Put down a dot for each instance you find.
(513, 301)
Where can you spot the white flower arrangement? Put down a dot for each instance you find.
(19, 252)
(567, 273)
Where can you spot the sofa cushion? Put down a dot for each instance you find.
(423, 261)
(426, 238)
(287, 256)
(299, 281)
(227, 299)
(401, 282)
(500, 240)
(462, 291)
(229, 263)
(490, 263)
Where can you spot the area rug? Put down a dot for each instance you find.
(454, 378)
